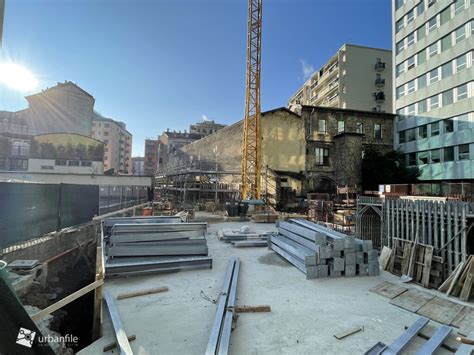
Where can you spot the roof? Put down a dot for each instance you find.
(183, 135)
(281, 109)
(346, 110)
(61, 85)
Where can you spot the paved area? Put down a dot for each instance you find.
(305, 313)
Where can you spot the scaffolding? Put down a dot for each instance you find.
(198, 182)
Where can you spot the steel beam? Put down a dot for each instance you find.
(216, 345)
(402, 341)
(292, 247)
(156, 250)
(290, 258)
(435, 341)
(297, 238)
(302, 231)
(122, 341)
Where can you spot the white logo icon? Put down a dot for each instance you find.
(25, 337)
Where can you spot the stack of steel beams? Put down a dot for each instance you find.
(244, 237)
(321, 252)
(110, 222)
(138, 248)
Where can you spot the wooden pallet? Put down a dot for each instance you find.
(426, 269)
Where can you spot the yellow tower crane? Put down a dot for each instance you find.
(251, 135)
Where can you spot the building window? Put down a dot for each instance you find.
(73, 163)
(461, 63)
(411, 159)
(47, 167)
(86, 163)
(421, 57)
(422, 106)
(321, 156)
(411, 134)
(435, 156)
(458, 7)
(460, 34)
(322, 126)
(401, 137)
(106, 133)
(445, 16)
(377, 131)
(423, 157)
(434, 128)
(400, 91)
(423, 131)
(433, 76)
(411, 87)
(434, 102)
(60, 162)
(411, 110)
(410, 16)
(18, 164)
(400, 68)
(463, 122)
(432, 24)
(400, 46)
(420, 8)
(399, 4)
(410, 39)
(433, 50)
(360, 127)
(461, 92)
(447, 97)
(448, 154)
(447, 70)
(106, 125)
(411, 62)
(422, 82)
(463, 152)
(420, 33)
(448, 125)
(340, 126)
(399, 25)
(446, 42)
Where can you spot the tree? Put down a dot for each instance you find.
(388, 168)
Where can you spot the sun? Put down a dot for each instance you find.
(17, 77)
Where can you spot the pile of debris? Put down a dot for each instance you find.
(321, 252)
(136, 246)
(460, 282)
(244, 237)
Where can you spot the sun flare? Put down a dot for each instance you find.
(17, 77)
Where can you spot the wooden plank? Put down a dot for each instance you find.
(435, 341)
(346, 333)
(440, 310)
(425, 280)
(252, 309)
(142, 292)
(66, 300)
(412, 300)
(447, 283)
(388, 289)
(120, 335)
(113, 345)
(464, 320)
(462, 278)
(467, 286)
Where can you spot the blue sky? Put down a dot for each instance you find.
(158, 64)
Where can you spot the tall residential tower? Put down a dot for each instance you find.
(433, 47)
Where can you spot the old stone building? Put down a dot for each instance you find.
(335, 142)
(312, 152)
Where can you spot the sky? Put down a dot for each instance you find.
(158, 64)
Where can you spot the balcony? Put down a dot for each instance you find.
(379, 82)
(379, 96)
(380, 66)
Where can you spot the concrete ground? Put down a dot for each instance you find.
(305, 313)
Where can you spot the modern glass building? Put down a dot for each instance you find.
(433, 57)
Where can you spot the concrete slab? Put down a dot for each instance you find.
(305, 313)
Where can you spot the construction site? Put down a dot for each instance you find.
(276, 234)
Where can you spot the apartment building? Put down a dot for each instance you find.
(171, 142)
(356, 77)
(138, 166)
(433, 56)
(118, 144)
(151, 162)
(205, 127)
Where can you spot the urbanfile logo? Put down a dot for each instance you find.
(25, 337)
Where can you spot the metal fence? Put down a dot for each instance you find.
(114, 198)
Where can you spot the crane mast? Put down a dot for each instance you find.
(251, 135)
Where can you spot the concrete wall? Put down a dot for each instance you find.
(54, 178)
(282, 144)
